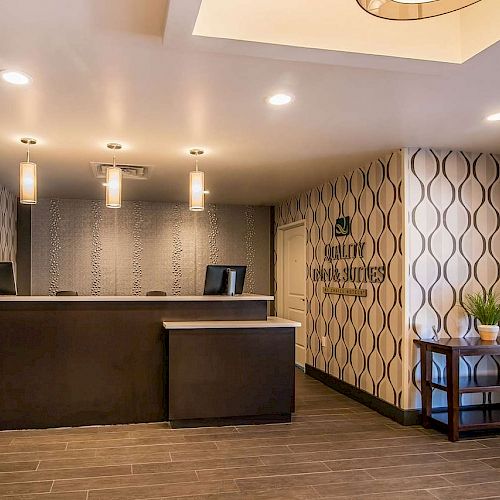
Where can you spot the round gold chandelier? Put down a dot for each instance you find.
(411, 10)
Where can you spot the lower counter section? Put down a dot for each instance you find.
(69, 363)
(221, 376)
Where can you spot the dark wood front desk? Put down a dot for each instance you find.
(72, 361)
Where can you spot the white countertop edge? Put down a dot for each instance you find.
(137, 298)
(271, 322)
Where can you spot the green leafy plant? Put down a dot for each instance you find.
(483, 306)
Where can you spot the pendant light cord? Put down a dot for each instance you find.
(28, 153)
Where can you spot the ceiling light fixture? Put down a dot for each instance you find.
(494, 118)
(279, 99)
(196, 184)
(114, 180)
(15, 77)
(28, 194)
(411, 10)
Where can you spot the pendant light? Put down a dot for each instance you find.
(27, 176)
(196, 185)
(114, 181)
(411, 10)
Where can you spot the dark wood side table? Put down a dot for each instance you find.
(457, 418)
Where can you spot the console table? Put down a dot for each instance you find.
(457, 418)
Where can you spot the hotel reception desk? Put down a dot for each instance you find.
(208, 360)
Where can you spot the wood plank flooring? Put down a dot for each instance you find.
(334, 448)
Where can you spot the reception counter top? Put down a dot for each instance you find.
(270, 322)
(137, 298)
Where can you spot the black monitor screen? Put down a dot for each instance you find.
(7, 280)
(216, 279)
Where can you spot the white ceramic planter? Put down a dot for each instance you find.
(488, 332)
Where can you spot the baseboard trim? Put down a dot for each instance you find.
(403, 417)
(223, 421)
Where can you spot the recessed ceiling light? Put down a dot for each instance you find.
(15, 77)
(279, 99)
(494, 118)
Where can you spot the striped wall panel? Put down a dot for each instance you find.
(81, 245)
(8, 229)
(364, 334)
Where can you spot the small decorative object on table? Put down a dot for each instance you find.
(485, 307)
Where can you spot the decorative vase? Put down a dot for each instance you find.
(488, 332)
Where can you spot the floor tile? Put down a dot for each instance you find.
(131, 480)
(76, 495)
(18, 466)
(484, 490)
(286, 481)
(197, 465)
(50, 475)
(484, 475)
(260, 471)
(19, 488)
(163, 491)
(378, 462)
(405, 471)
(353, 489)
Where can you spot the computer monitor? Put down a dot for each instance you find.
(7, 279)
(216, 279)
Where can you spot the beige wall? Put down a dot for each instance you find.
(81, 245)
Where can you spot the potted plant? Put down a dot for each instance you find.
(485, 307)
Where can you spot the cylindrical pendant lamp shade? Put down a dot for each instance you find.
(114, 187)
(27, 183)
(196, 191)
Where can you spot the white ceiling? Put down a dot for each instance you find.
(122, 70)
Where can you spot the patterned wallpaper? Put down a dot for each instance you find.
(453, 241)
(81, 245)
(443, 227)
(364, 334)
(8, 229)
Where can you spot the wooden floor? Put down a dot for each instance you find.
(335, 448)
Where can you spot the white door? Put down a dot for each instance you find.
(294, 286)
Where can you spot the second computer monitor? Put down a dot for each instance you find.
(216, 279)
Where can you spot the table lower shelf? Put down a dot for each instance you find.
(472, 419)
(479, 383)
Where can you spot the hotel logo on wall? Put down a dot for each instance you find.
(343, 226)
(331, 271)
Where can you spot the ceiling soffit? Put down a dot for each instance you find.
(342, 25)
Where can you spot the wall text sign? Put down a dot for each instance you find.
(334, 254)
(354, 292)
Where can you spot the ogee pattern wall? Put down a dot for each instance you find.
(364, 334)
(81, 245)
(453, 203)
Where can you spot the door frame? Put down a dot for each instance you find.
(280, 260)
